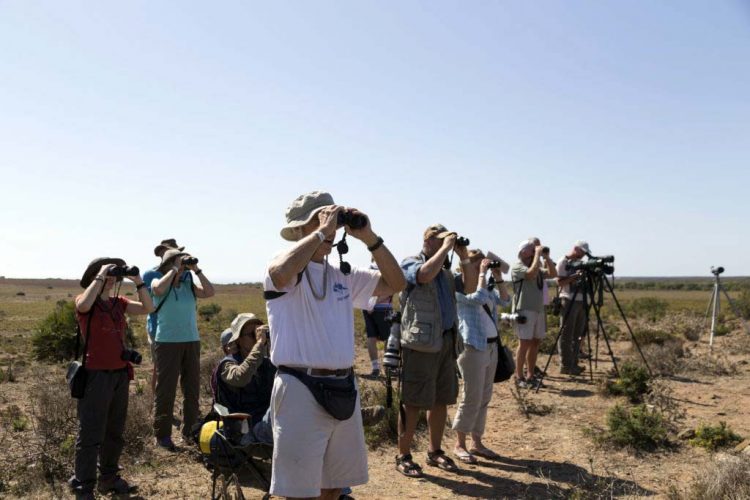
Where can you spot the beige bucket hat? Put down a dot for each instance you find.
(169, 256)
(239, 321)
(166, 245)
(302, 210)
(437, 230)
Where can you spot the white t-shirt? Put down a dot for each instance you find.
(312, 333)
(562, 272)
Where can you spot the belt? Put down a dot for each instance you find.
(118, 370)
(492, 340)
(321, 372)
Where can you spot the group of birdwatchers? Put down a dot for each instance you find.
(294, 376)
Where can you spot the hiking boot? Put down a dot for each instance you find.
(522, 383)
(114, 484)
(572, 370)
(166, 443)
(374, 374)
(80, 490)
(371, 415)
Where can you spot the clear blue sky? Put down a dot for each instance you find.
(623, 123)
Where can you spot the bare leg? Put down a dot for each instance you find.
(406, 433)
(523, 349)
(436, 418)
(372, 348)
(531, 356)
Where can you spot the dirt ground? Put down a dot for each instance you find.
(544, 455)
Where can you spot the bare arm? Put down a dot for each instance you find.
(85, 301)
(161, 285)
(289, 264)
(204, 289)
(144, 305)
(536, 264)
(392, 278)
(430, 269)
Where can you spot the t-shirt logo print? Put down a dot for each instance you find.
(342, 292)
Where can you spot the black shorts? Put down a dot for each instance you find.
(376, 325)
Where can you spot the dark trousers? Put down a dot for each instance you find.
(101, 417)
(572, 329)
(176, 360)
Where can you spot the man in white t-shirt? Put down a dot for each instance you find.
(319, 440)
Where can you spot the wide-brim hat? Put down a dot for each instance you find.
(95, 265)
(241, 320)
(504, 266)
(583, 245)
(439, 231)
(169, 256)
(166, 245)
(524, 245)
(302, 210)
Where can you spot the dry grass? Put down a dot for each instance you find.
(726, 479)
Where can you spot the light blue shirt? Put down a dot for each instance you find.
(177, 319)
(471, 316)
(148, 277)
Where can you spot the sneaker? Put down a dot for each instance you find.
(81, 491)
(114, 484)
(166, 443)
(373, 375)
(371, 415)
(522, 383)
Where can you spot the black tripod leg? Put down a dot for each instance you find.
(625, 319)
(606, 339)
(557, 339)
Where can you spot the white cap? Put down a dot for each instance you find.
(523, 245)
(583, 245)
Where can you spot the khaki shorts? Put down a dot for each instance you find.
(312, 450)
(535, 326)
(430, 378)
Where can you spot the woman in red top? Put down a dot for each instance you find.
(104, 406)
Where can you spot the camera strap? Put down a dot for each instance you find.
(88, 336)
(166, 296)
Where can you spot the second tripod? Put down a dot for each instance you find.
(591, 285)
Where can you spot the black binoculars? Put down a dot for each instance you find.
(189, 261)
(462, 241)
(121, 271)
(351, 219)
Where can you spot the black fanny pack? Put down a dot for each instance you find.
(338, 396)
(76, 377)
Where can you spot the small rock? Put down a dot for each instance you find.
(743, 447)
(686, 434)
(726, 458)
(721, 414)
(715, 396)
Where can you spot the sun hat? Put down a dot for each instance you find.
(241, 320)
(94, 266)
(166, 245)
(439, 231)
(169, 256)
(504, 266)
(475, 254)
(226, 337)
(524, 245)
(302, 210)
(583, 245)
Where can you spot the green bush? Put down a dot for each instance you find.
(637, 427)
(650, 335)
(650, 308)
(208, 311)
(713, 437)
(55, 337)
(743, 302)
(632, 382)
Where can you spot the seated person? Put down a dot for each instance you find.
(244, 378)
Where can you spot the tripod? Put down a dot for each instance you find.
(714, 304)
(592, 284)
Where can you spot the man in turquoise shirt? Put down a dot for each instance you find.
(177, 342)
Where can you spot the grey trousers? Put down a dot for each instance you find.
(101, 418)
(176, 360)
(478, 372)
(572, 329)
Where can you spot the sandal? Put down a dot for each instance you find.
(438, 459)
(406, 466)
(464, 456)
(485, 453)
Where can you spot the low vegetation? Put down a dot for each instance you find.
(726, 479)
(638, 427)
(632, 382)
(55, 336)
(714, 437)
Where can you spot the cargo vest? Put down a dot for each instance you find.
(421, 319)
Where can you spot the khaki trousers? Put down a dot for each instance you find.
(176, 360)
(478, 372)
